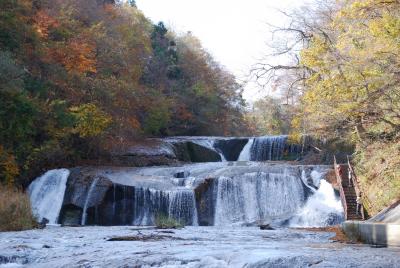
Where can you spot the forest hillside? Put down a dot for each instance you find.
(78, 77)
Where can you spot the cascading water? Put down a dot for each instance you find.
(219, 193)
(179, 205)
(245, 154)
(47, 194)
(257, 198)
(268, 148)
(89, 194)
(323, 208)
(182, 206)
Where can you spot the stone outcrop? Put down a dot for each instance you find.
(231, 148)
(149, 152)
(205, 200)
(191, 152)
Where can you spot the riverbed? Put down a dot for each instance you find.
(187, 247)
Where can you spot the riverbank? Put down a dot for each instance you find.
(188, 247)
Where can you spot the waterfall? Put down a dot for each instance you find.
(245, 154)
(148, 203)
(87, 201)
(47, 194)
(182, 206)
(323, 208)
(178, 204)
(268, 148)
(219, 193)
(257, 197)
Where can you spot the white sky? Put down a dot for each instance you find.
(233, 31)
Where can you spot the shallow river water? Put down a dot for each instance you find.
(188, 247)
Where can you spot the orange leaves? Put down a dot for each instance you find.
(77, 55)
(44, 22)
(80, 57)
(133, 123)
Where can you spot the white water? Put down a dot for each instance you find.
(257, 198)
(178, 204)
(246, 151)
(318, 208)
(182, 204)
(89, 194)
(47, 194)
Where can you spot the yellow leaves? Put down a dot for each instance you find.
(351, 71)
(9, 169)
(90, 120)
(387, 26)
(314, 55)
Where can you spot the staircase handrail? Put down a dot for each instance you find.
(341, 190)
(354, 181)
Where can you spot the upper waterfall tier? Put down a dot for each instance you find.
(173, 150)
(235, 148)
(269, 148)
(220, 193)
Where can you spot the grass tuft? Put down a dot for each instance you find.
(165, 222)
(15, 210)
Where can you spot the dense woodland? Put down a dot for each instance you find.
(80, 76)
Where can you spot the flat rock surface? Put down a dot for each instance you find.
(188, 247)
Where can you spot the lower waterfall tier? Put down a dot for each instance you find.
(224, 193)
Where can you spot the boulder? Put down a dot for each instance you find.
(191, 152)
(266, 227)
(149, 152)
(231, 148)
(205, 200)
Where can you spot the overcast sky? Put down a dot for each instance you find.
(233, 31)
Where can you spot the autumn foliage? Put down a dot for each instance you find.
(346, 71)
(75, 75)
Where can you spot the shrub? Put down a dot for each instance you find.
(8, 167)
(165, 222)
(15, 210)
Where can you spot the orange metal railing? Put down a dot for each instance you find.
(339, 181)
(354, 180)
